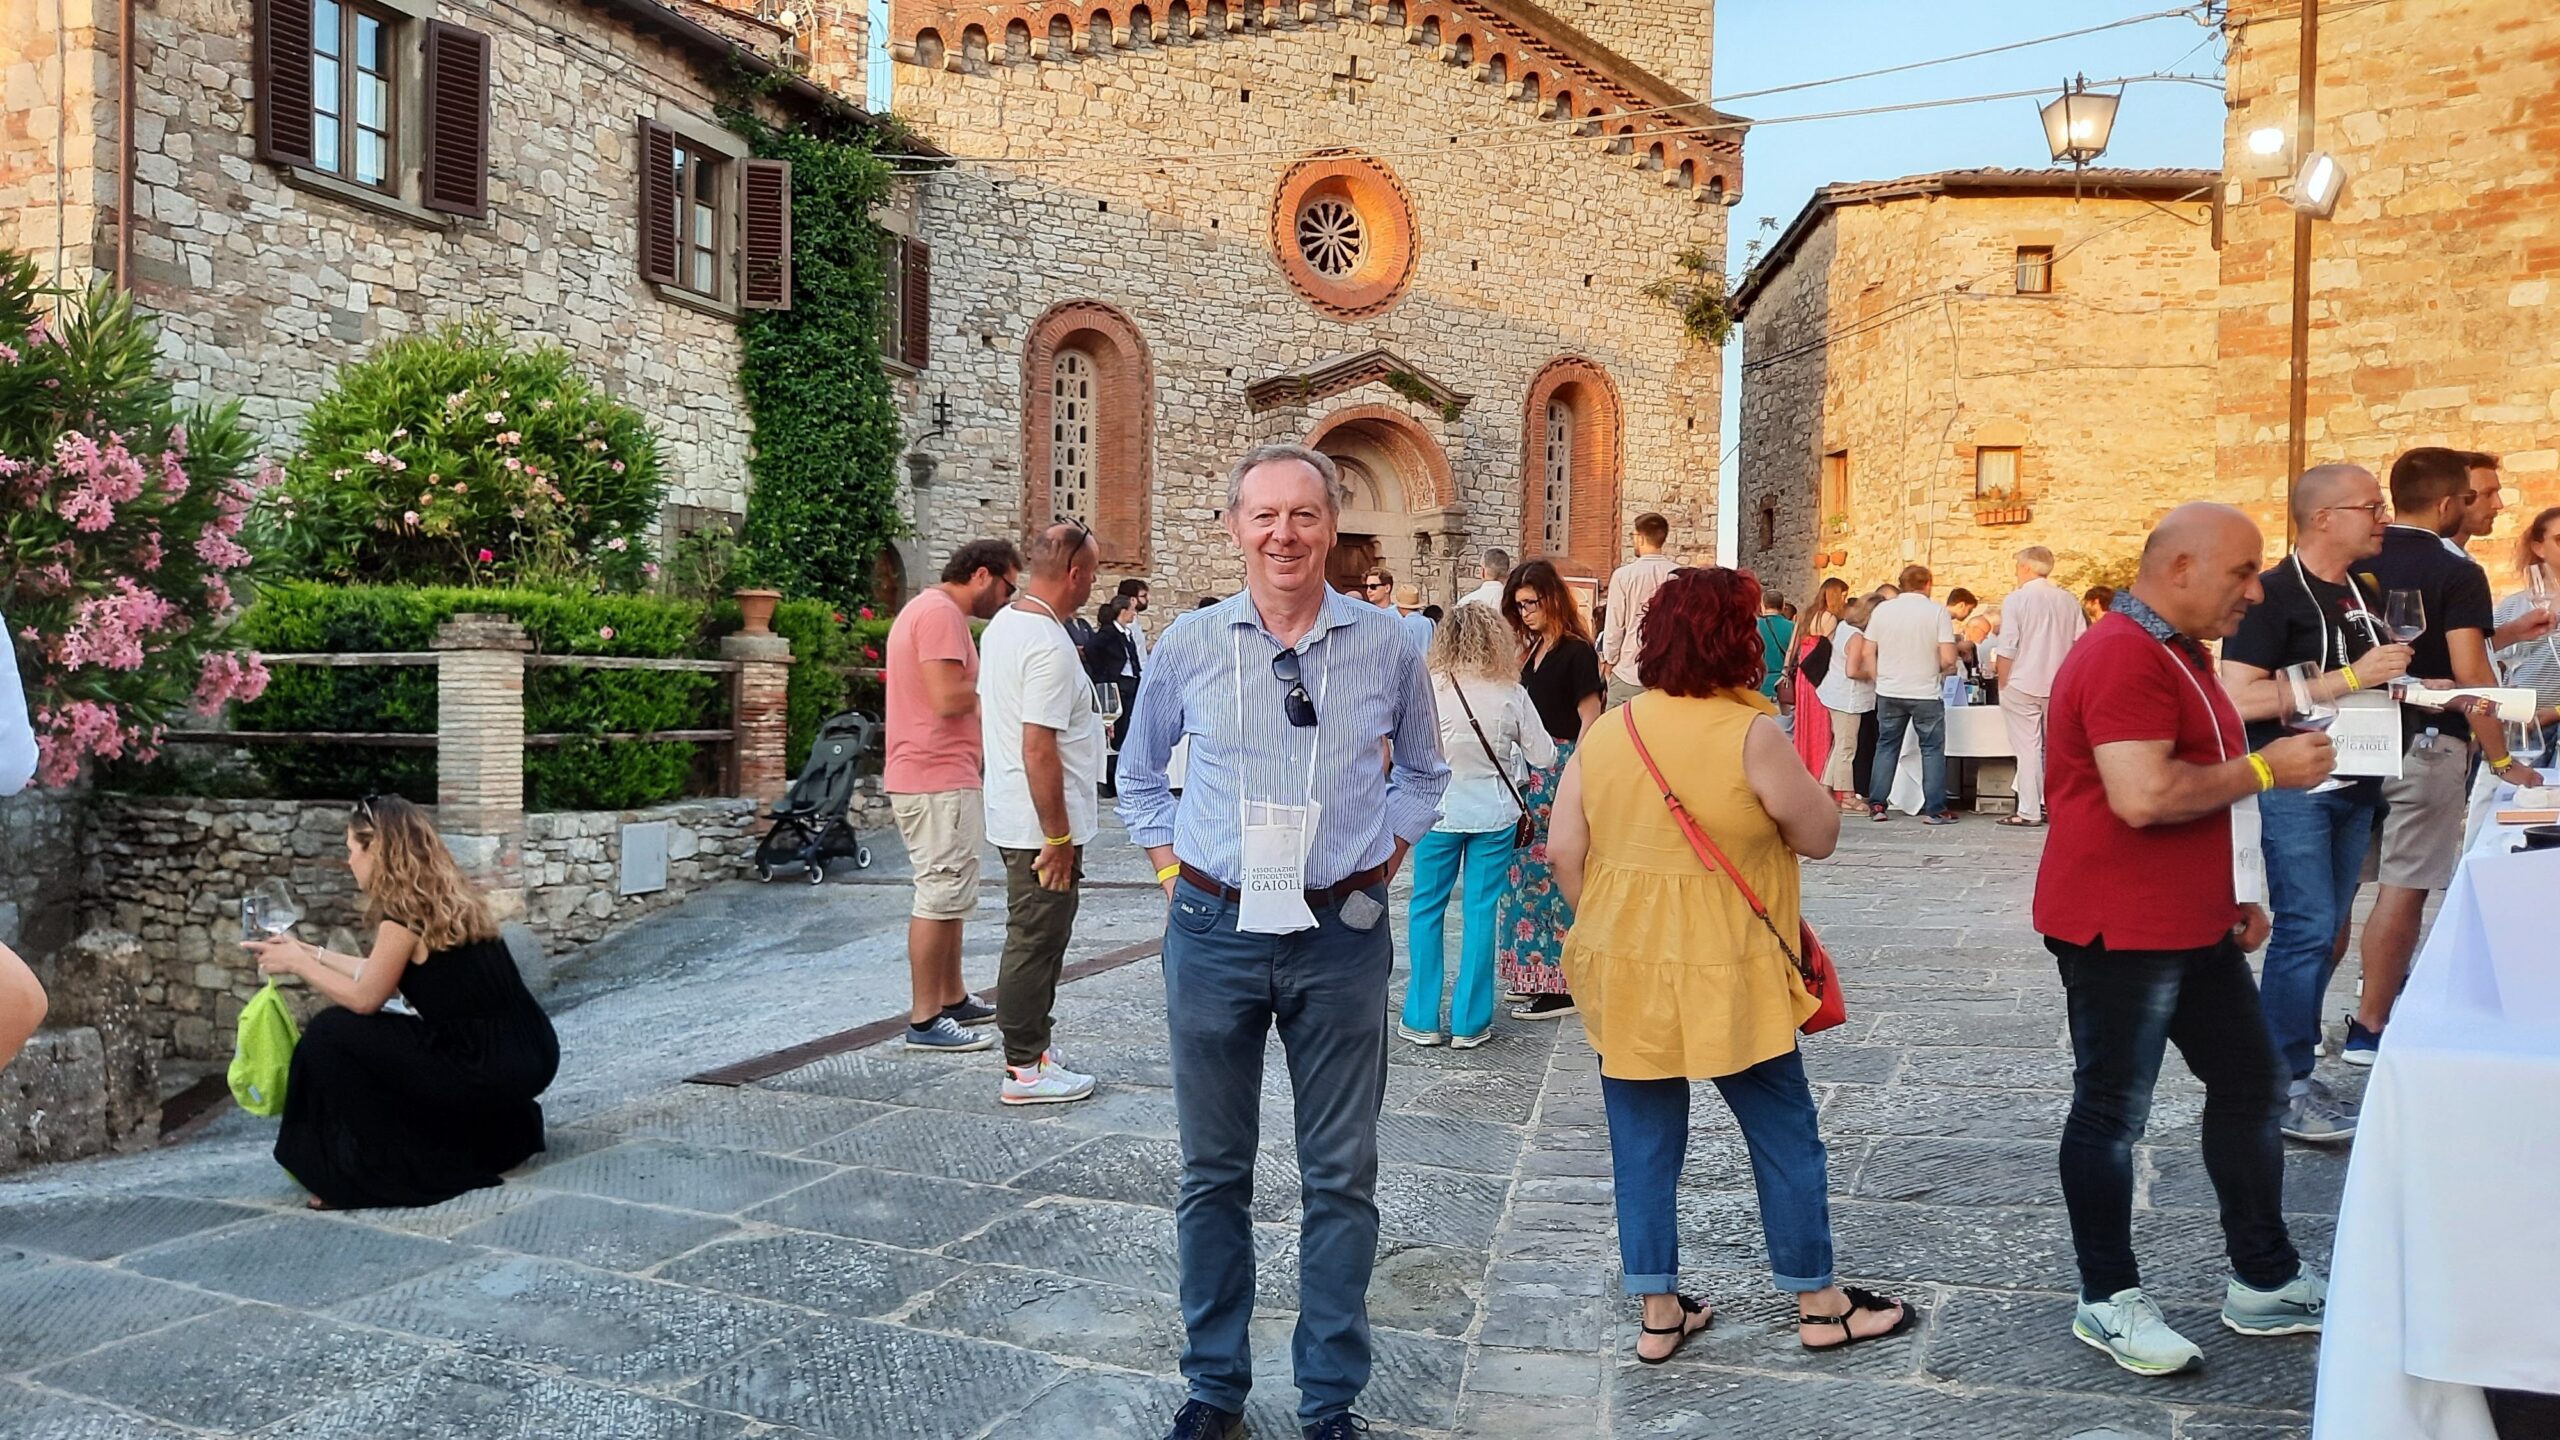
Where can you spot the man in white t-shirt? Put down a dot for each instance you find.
(1043, 739)
(1915, 648)
(1495, 572)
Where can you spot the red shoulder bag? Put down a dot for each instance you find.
(1812, 962)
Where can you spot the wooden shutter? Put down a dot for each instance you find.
(764, 211)
(455, 174)
(659, 248)
(282, 76)
(915, 343)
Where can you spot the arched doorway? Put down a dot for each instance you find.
(1396, 476)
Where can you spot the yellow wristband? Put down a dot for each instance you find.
(1167, 873)
(2350, 672)
(2266, 772)
(2503, 763)
(1055, 840)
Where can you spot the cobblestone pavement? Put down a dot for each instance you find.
(872, 1247)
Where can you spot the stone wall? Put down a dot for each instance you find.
(1675, 39)
(55, 64)
(1931, 355)
(39, 895)
(1525, 252)
(170, 872)
(264, 288)
(2431, 288)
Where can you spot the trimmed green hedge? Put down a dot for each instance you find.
(575, 775)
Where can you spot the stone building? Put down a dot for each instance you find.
(1413, 235)
(1947, 368)
(302, 179)
(2431, 298)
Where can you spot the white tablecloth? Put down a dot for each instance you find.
(1973, 732)
(2448, 1243)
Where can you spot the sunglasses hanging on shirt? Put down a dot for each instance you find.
(1299, 705)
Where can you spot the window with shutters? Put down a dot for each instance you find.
(1835, 485)
(352, 75)
(906, 301)
(715, 223)
(698, 220)
(1071, 437)
(365, 101)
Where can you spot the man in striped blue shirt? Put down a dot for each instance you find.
(1314, 765)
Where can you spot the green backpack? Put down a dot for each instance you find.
(265, 1053)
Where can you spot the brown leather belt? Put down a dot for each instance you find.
(1332, 894)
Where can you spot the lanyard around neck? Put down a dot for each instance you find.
(2320, 614)
(1315, 741)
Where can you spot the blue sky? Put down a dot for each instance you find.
(1764, 43)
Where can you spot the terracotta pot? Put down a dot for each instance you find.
(755, 607)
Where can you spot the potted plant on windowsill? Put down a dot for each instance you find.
(754, 577)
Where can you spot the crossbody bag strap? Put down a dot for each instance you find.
(1706, 849)
(1500, 769)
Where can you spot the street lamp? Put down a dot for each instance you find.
(2078, 124)
(2317, 187)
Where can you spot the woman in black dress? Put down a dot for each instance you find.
(390, 1109)
(1561, 670)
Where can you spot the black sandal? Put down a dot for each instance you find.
(1689, 1307)
(1859, 1300)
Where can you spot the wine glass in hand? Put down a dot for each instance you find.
(2306, 709)
(277, 909)
(2405, 611)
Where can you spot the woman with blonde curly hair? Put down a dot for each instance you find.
(392, 1109)
(1490, 734)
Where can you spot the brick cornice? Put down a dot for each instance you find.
(1497, 42)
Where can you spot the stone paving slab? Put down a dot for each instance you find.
(703, 1263)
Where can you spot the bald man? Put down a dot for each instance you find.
(2143, 898)
(2317, 613)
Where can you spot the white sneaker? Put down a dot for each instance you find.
(1050, 1084)
(2130, 1328)
(1412, 1036)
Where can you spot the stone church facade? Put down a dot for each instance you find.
(1412, 236)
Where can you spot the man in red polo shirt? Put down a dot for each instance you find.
(2138, 900)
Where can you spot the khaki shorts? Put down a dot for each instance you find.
(1620, 692)
(2423, 814)
(944, 832)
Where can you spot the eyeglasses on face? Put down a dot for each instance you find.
(2374, 509)
(1299, 705)
(1526, 602)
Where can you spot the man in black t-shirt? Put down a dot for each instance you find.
(2425, 806)
(2317, 612)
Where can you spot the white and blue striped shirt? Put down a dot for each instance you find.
(1369, 687)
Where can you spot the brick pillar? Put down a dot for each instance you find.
(760, 768)
(480, 752)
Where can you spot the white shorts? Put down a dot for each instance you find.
(944, 832)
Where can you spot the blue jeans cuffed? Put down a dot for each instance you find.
(1649, 1137)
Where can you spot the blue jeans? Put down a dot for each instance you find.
(1929, 717)
(1649, 1137)
(2315, 847)
(1326, 991)
(1437, 860)
(2126, 1006)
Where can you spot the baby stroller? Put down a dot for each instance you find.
(809, 824)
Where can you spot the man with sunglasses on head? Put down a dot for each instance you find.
(931, 770)
(1275, 859)
(2318, 612)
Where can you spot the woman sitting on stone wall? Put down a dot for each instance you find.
(391, 1109)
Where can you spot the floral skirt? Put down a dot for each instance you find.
(1529, 924)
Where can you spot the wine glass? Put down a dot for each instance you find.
(277, 909)
(2525, 740)
(2405, 611)
(1106, 700)
(2306, 710)
(2538, 583)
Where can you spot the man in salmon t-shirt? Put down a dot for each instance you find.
(932, 774)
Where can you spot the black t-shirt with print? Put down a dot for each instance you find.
(2456, 590)
(2303, 620)
(1558, 683)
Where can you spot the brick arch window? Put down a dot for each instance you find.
(1573, 445)
(1017, 42)
(1088, 428)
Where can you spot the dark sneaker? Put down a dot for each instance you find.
(1200, 1420)
(1878, 812)
(949, 1038)
(970, 1009)
(2363, 1046)
(1340, 1427)
(2317, 1117)
(1544, 1007)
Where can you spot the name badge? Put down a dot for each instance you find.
(2367, 735)
(2248, 859)
(1275, 869)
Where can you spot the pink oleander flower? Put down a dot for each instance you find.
(617, 544)
(215, 547)
(107, 631)
(487, 554)
(409, 517)
(228, 676)
(147, 554)
(457, 399)
(543, 404)
(871, 654)
(400, 433)
(376, 457)
(461, 488)
(8, 354)
(217, 593)
(178, 438)
(864, 613)
(617, 467)
(71, 734)
(604, 632)
(510, 437)
(338, 474)
(173, 473)
(649, 569)
(533, 470)
(495, 417)
(105, 477)
(512, 463)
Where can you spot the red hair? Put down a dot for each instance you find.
(1702, 633)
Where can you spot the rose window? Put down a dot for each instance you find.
(1330, 236)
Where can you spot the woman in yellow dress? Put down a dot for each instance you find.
(1677, 980)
